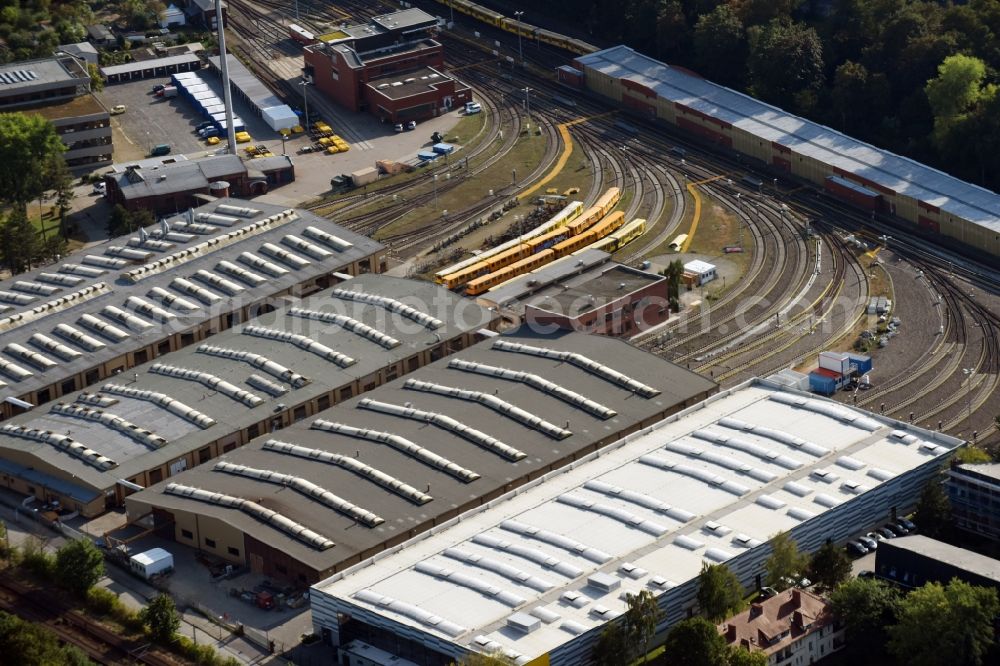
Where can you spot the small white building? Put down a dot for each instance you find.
(700, 272)
(151, 562)
(172, 16)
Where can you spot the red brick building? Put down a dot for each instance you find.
(390, 67)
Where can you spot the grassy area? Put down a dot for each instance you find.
(578, 172)
(524, 157)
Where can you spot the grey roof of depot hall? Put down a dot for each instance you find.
(671, 385)
(94, 278)
(230, 414)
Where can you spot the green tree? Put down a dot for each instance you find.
(972, 455)
(933, 513)
(720, 594)
(96, 81)
(611, 645)
(738, 656)
(27, 644)
(957, 88)
(160, 615)
(673, 272)
(785, 61)
(30, 156)
(829, 567)
(865, 606)
(79, 565)
(695, 642)
(641, 619)
(719, 41)
(943, 625)
(19, 241)
(786, 565)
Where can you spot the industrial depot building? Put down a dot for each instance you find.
(372, 472)
(538, 572)
(92, 449)
(390, 67)
(102, 311)
(858, 172)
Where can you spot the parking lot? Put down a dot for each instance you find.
(150, 121)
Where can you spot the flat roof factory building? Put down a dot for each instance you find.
(93, 449)
(371, 473)
(537, 573)
(102, 311)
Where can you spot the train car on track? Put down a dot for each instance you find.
(569, 213)
(620, 238)
(677, 243)
(301, 35)
(526, 30)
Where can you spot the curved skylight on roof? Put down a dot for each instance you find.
(496, 404)
(702, 475)
(284, 256)
(34, 288)
(305, 487)
(62, 280)
(558, 540)
(615, 513)
(22, 353)
(748, 447)
(16, 299)
(377, 477)
(579, 360)
(498, 567)
(834, 411)
(265, 515)
(640, 499)
(64, 302)
(401, 444)
(210, 381)
(218, 282)
(78, 337)
(411, 611)
(781, 436)
(147, 309)
(300, 341)
(14, 371)
(390, 304)
(722, 460)
(479, 585)
(54, 347)
(257, 361)
(242, 274)
(338, 244)
(172, 300)
(145, 437)
(352, 325)
(537, 382)
(102, 327)
(122, 317)
(263, 265)
(304, 246)
(77, 269)
(185, 286)
(175, 407)
(63, 443)
(445, 423)
(267, 385)
(535, 555)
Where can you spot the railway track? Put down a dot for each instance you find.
(75, 628)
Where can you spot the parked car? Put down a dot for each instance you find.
(856, 548)
(118, 108)
(208, 131)
(898, 530)
(100, 188)
(158, 87)
(412, 125)
(204, 125)
(909, 525)
(868, 542)
(875, 535)
(768, 592)
(305, 149)
(866, 574)
(886, 532)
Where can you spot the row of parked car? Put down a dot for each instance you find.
(869, 542)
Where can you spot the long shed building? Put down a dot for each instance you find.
(104, 310)
(92, 449)
(538, 572)
(847, 168)
(370, 473)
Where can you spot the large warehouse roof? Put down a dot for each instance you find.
(98, 304)
(554, 561)
(202, 393)
(970, 561)
(900, 174)
(443, 439)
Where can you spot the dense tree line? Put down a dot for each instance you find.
(912, 76)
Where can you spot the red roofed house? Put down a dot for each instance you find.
(794, 628)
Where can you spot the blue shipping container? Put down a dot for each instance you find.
(821, 384)
(864, 363)
(427, 157)
(443, 148)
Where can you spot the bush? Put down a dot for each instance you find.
(204, 655)
(36, 561)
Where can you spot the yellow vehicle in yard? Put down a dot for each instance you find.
(212, 140)
(243, 137)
